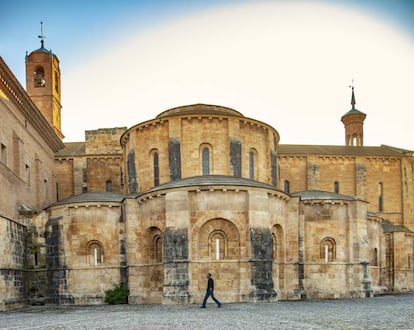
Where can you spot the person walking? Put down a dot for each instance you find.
(210, 292)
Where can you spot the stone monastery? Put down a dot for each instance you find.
(199, 188)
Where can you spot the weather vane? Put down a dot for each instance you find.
(352, 84)
(353, 95)
(41, 36)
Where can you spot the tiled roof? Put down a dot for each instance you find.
(72, 149)
(199, 109)
(354, 112)
(302, 149)
(211, 180)
(319, 194)
(90, 197)
(388, 227)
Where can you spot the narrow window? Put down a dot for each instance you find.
(206, 161)
(3, 154)
(286, 186)
(217, 243)
(156, 170)
(28, 175)
(274, 245)
(336, 187)
(328, 249)
(95, 254)
(45, 189)
(95, 250)
(108, 186)
(158, 248)
(380, 197)
(375, 257)
(251, 165)
(56, 82)
(35, 253)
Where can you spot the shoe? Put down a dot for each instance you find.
(219, 305)
(202, 306)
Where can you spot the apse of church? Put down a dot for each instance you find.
(199, 188)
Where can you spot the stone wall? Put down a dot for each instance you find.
(360, 176)
(261, 264)
(26, 164)
(104, 174)
(176, 262)
(85, 254)
(236, 137)
(208, 231)
(336, 245)
(12, 293)
(103, 141)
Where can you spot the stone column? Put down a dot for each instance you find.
(176, 242)
(313, 175)
(261, 265)
(176, 279)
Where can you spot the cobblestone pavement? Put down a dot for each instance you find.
(385, 312)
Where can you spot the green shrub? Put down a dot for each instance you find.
(117, 295)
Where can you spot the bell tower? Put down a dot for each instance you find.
(353, 121)
(43, 83)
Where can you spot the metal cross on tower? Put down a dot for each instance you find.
(41, 36)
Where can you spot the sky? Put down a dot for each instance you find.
(288, 63)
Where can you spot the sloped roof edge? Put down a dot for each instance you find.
(320, 194)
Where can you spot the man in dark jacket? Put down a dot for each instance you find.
(210, 292)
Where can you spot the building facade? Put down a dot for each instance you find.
(197, 189)
(27, 185)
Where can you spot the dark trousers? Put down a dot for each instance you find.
(208, 294)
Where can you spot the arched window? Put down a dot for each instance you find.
(252, 164)
(336, 187)
(217, 245)
(156, 169)
(108, 185)
(328, 249)
(380, 197)
(206, 161)
(95, 253)
(286, 186)
(153, 244)
(274, 246)
(277, 241)
(218, 239)
(39, 77)
(157, 245)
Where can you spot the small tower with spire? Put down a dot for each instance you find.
(353, 121)
(43, 83)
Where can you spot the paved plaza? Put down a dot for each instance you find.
(385, 312)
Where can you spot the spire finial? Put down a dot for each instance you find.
(353, 95)
(41, 36)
